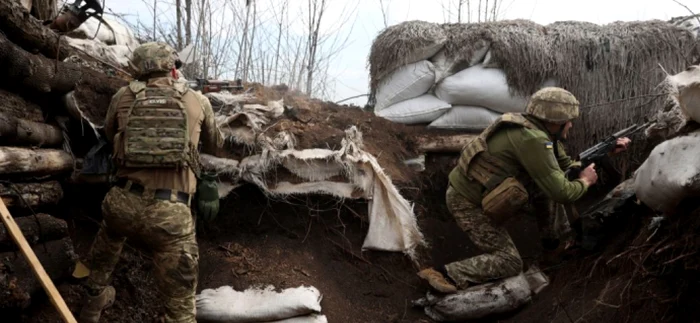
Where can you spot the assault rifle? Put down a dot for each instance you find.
(599, 153)
(207, 86)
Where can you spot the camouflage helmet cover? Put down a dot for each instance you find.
(154, 57)
(553, 104)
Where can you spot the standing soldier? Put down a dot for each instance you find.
(154, 124)
(516, 165)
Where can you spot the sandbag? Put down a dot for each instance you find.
(465, 118)
(479, 301)
(670, 174)
(483, 87)
(406, 82)
(684, 90)
(313, 318)
(225, 304)
(423, 109)
(115, 33)
(118, 55)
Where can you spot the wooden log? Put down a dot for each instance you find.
(36, 229)
(12, 104)
(26, 132)
(444, 143)
(33, 194)
(17, 280)
(23, 70)
(15, 160)
(29, 33)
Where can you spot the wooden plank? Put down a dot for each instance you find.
(38, 269)
(444, 143)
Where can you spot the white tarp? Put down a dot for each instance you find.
(406, 82)
(466, 118)
(225, 304)
(670, 174)
(423, 109)
(392, 222)
(281, 169)
(479, 301)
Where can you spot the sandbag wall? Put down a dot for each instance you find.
(463, 76)
(433, 88)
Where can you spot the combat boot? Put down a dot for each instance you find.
(437, 281)
(92, 310)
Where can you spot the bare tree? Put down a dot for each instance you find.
(384, 11)
(188, 22)
(178, 17)
(316, 10)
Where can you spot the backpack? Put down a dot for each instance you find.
(156, 134)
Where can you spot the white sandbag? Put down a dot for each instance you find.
(482, 300)
(442, 65)
(313, 318)
(406, 82)
(483, 87)
(423, 109)
(670, 174)
(115, 33)
(27, 4)
(684, 90)
(118, 55)
(466, 118)
(225, 304)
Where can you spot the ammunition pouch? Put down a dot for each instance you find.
(504, 195)
(505, 200)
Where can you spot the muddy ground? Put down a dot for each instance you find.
(316, 240)
(310, 240)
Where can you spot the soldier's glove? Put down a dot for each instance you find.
(207, 197)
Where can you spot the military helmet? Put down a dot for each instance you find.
(154, 57)
(553, 104)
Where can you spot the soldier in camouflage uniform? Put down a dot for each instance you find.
(155, 124)
(516, 165)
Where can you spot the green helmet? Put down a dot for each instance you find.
(154, 57)
(553, 104)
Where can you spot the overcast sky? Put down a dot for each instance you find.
(349, 70)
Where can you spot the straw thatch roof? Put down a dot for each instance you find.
(613, 69)
(402, 44)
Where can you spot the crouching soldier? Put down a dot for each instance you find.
(155, 125)
(516, 165)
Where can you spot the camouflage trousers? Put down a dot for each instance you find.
(167, 230)
(500, 258)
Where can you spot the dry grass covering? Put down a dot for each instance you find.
(402, 44)
(514, 44)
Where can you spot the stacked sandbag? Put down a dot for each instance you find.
(417, 79)
(402, 74)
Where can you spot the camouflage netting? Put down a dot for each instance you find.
(614, 70)
(403, 44)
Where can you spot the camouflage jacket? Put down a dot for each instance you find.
(531, 152)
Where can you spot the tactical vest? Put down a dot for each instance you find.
(476, 163)
(156, 134)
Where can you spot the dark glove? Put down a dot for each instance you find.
(207, 197)
(550, 244)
